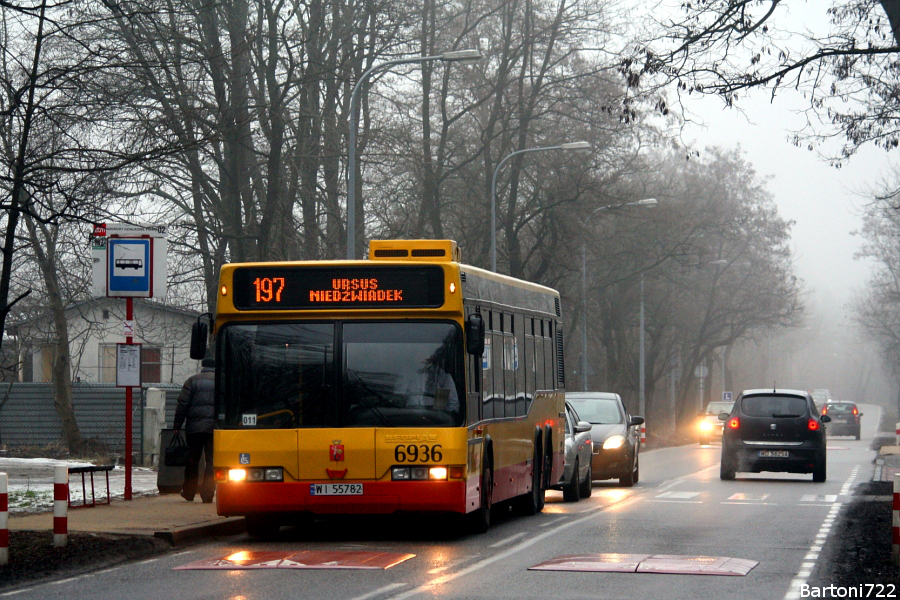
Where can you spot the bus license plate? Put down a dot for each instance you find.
(336, 489)
(774, 454)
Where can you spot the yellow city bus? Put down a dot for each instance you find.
(408, 382)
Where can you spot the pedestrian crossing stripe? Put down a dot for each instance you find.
(814, 498)
(678, 495)
(743, 496)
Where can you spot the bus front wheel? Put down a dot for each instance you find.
(481, 518)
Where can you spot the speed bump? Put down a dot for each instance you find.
(649, 563)
(304, 559)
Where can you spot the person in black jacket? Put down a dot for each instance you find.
(196, 406)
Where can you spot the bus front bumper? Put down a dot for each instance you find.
(378, 497)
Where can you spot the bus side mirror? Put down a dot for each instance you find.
(199, 339)
(475, 334)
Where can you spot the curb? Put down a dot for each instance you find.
(184, 535)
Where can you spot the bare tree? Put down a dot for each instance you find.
(848, 74)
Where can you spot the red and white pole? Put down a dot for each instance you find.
(643, 434)
(60, 506)
(4, 519)
(129, 316)
(895, 523)
(898, 433)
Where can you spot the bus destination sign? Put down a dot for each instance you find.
(299, 288)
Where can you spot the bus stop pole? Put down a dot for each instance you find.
(129, 316)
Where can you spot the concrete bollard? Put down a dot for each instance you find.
(895, 523)
(60, 506)
(4, 519)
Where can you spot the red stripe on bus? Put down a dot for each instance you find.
(379, 497)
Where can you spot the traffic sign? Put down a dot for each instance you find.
(120, 269)
(727, 396)
(129, 267)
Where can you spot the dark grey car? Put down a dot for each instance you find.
(774, 430)
(615, 433)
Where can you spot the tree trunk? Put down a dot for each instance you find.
(61, 369)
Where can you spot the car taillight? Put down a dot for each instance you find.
(855, 411)
(813, 425)
(734, 423)
(824, 409)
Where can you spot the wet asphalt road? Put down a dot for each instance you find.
(680, 507)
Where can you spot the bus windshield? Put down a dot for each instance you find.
(391, 374)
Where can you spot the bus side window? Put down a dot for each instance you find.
(521, 403)
(487, 372)
(497, 363)
(539, 363)
(549, 372)
(530, 372)
(509, 366)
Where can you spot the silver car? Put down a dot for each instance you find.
(576, 480)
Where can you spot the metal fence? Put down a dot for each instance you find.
(29, 417)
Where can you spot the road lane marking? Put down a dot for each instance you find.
(812, 555)
(525, 544)
(383, 590)
(827, 499)
(553, 522)
(508, 540)
(751, 503)
(743, 496)
(679, 495)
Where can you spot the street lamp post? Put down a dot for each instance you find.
(463, 56)
(576, 146)
(642, 408)
(648, 202)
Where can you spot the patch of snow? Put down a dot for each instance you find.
(31, 483)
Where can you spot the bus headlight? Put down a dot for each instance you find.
(437, 473)
(274, 475)
(237, 474)
(706, 426)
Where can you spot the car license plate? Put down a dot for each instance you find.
(774, 454)
(335, 489)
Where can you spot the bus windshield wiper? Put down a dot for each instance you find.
(372, 406)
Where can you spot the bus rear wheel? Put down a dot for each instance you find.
(533, 502)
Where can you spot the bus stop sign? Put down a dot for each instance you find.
(129, 267)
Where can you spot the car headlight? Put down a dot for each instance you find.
(613, 442)
(706, 426)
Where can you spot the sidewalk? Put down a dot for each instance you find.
(887, 463)
(168, 517)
